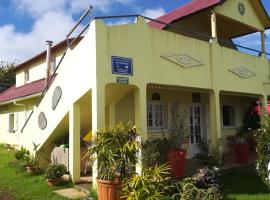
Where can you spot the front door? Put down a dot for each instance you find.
(195, 128)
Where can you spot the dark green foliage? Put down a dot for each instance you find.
(116, 150)
(54, 171)
(210, 155)
(7, 74)
(251, 119)
(263, 149)
(204, 185)
(155, 152)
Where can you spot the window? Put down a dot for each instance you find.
(11, 123)
(26, 76)
(228, 116)
(155, 115)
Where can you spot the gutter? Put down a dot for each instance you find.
(21, 98)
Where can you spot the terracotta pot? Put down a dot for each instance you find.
(177, 162)
(31, 170)
(241, 152)
(108, 190)
(53, 182)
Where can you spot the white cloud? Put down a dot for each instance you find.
(52, 20)
(120, 22)
(51, 26)
(154, 13)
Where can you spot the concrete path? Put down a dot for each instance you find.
(71, 193)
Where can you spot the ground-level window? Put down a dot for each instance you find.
(155, 115)
(228, 116)
(11, 123)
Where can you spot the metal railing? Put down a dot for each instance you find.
(88, 11)
(69, 45)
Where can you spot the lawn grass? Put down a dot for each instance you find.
(245, 184)
(19, 185)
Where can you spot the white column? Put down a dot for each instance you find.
(215, 125)
(214, 26)
(141, 116)
(263, 42)
(98, 118)
(74, 142)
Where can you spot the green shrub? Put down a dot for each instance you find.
(22, 154)
(210, 155)
(204, 185)
(116, 150)
(151, 184)
(155, 152)
(263, 148)
(54, 171)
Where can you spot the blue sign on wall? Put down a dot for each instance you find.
(122, 65)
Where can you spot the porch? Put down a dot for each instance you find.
(203, 115)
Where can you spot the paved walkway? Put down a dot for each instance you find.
(71, 193)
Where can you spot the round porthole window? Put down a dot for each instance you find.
(241, 8)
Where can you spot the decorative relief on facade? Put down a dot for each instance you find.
(243, 72)
(183, 60)
(42, 121)
(57, 94)
(241, 8)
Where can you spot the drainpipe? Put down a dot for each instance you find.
(48, 61)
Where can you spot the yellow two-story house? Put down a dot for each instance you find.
(184, 62)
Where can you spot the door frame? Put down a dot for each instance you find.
(191, 152)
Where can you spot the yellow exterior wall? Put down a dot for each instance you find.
(145, 46)
(21, 114)
(124, 109)
(36, 70)
(230, 9)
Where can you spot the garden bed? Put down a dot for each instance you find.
(19, 185)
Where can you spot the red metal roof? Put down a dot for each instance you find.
(22, 91)
(186, 10)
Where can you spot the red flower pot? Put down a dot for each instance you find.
(108, 190)
(177, 162)
(241, 153)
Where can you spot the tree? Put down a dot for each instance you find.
(7, 75)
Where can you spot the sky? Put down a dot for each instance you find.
(25, 25)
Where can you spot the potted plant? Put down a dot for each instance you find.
(31, 165)
(31, 162)
(54, 172)
(116, 151)
(178, 137)
(241, 146)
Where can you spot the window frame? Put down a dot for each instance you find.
(9, 123)
(26, 76)
(154, 127)
(234, 115)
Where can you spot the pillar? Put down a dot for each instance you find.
(74, 142)
(141, 117)
(263, 42)
(215, 126)
(263, 105)
(214, 26)
(98, 117)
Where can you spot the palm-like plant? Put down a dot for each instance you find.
(116, 151)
